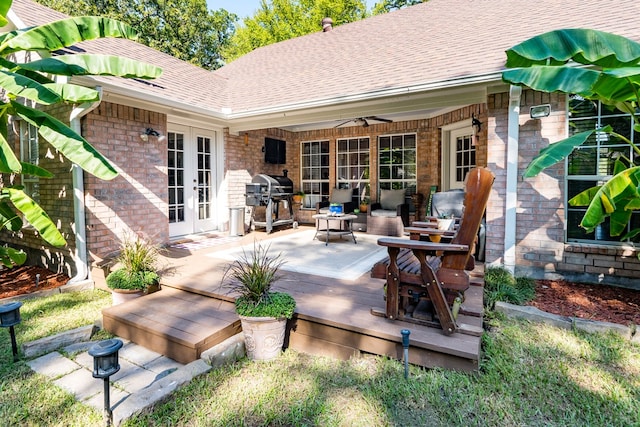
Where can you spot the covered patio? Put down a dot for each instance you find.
(194, 311)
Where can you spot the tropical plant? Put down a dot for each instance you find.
(35, 81)
(138, 264)
(251, 277)
(596, 66)
(501, 285)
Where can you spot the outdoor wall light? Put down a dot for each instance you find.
(9, 317)
(105, 364)
(477, 127)
(540, 111)
(147, 133)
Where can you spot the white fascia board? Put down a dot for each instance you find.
(119, 95)
(341, 110)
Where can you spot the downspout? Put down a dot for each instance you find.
(80, 256)
(511, 199)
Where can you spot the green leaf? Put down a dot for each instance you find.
(583, 46)
(5, 5)
(619, 84)
(614, 198)
(8, 161)
(35, 170)
(19, 85)
(553, 153)
(8, 218)
(69, 143)
(74, 93)
(554, 79)
(86, 64)
(10, 257)
(36, 216)
(66, 32)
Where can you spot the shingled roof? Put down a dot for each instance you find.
(433, 45)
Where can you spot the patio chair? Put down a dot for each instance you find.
(390, 215)
(426, 281)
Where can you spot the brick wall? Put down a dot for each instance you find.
(541, 251)
(245, 160)
(136, 200)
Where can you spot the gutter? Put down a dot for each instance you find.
(511, 198)
(80, 256)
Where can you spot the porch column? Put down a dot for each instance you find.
(511, 198)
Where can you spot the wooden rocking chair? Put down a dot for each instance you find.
(427, 280)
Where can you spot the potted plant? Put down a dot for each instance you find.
(263, 312)
(298, 197)
(136, 273)
(445, 221)
(364, 203)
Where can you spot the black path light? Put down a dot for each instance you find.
(9, 317)
(105, 364)
(405, 345)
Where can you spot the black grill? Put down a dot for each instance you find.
(270, 191)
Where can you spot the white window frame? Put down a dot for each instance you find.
(314, 172)
(30, 153)
(410, 168)
(573, 214)
(353, 166)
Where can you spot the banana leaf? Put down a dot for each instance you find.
(19, 85)
(8, 217)
(554, 79)
(10, 257)
(36, 216)
(584, 46)
(63, 33)
(616, 198)
(8, 161)
(70, 144)
(74, 93)
(553, 153)
(5, 5)
(88, 64)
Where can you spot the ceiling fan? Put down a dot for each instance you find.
(364, 121)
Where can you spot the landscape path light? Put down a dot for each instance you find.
(105, 364)
(9, 317)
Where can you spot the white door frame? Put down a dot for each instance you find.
(450, 133)
(193, 180)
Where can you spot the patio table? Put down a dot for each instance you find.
(345, 227)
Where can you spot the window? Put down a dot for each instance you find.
(353, 166)
(29, 152)
(397, 162)
(315, 172)
(592, 163)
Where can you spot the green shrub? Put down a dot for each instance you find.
(275, 304)
(501, 285)
(136, 280)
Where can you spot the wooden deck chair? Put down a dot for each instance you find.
(432, 275)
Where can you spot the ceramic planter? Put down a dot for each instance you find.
(445, 224)
(263, 336)
(118, 296)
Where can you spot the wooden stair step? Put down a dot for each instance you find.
(175, 323)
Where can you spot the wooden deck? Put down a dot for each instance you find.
(194, 312)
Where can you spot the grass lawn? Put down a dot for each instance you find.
(531, 375)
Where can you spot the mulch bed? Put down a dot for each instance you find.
(22, 280)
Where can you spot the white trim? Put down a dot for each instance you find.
(445, 159)
(511, 196)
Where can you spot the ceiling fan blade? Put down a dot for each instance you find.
(379, 119)
(342, 124)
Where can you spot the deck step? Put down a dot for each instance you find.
(178, 324)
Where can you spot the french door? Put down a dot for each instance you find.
(191, 155)
(462, 156)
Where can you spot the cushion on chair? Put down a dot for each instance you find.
(339, 195)
(390, 199)
(387, 213)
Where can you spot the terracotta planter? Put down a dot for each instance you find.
(118, 296)
(363, 208)
(263, 336)
(298, 199)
